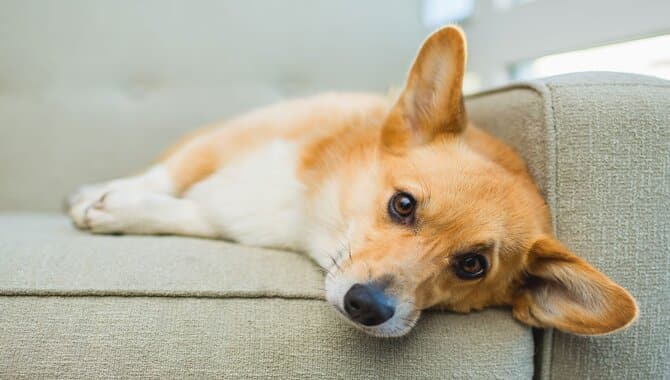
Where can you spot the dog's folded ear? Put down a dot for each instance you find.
(565, 292)
(431, 102)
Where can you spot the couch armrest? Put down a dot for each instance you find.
(598, 144)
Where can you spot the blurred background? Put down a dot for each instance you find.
(93, 89)
(525, 39)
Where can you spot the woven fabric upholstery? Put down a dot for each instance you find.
(81, 306)
(599, 146)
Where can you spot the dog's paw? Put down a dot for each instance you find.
(80, 201)
(116, 212)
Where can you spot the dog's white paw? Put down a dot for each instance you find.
(119, 211)
(80, 201)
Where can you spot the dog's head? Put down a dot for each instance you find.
(442, 222)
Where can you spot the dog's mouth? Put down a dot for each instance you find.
(370, 310)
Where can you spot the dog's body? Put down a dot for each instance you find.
(274, 178)
(407, 205)
(265, 179)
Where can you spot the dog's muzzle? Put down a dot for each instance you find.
(368, 305)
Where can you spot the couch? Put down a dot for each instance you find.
(73, 305)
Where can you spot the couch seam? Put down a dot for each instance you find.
(537, 87)
(544, 91)
(516, 86)
(609, 85)
(548, 345)
(152, 294)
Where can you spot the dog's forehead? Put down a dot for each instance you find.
(432, 162)
(463, 197)
(449, 175)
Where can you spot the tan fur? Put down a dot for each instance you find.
(314, 123)
(472, 191)
(569, 294)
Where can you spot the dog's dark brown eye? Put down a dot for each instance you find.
(471, 266)
(401, 208)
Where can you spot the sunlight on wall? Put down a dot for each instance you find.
(436, 13)
(649, 56)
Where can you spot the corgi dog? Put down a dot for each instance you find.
(405, 204)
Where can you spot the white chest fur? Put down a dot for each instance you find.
(257, 199)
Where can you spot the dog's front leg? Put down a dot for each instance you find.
(146, 213)
(156, 180)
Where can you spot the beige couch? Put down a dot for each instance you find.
(83, 99)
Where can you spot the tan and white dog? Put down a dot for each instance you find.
(407, 205)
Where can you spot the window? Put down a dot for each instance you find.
(522, 39)
(649, 56)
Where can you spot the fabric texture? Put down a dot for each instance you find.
(44, 254)
(598, 145)
(81, 306)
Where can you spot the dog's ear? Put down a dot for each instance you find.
(431, 102)
(565, 292)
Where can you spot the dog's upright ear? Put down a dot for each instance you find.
(431, 102)
(563, 291)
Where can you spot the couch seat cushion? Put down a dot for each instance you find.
(77, 305)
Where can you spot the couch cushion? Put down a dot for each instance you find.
(44, 254)
(598, 145)
(77, 305)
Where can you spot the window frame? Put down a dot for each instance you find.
(501, 37)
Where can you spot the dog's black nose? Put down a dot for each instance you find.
(368, 305)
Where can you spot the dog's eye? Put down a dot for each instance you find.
(471, 266)
(401, 208)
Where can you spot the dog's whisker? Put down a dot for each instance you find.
(335, 263)
(321, 269)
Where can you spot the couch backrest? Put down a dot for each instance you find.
(598, 145)
(91, 90)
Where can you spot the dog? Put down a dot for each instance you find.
(404, 203)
